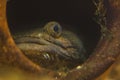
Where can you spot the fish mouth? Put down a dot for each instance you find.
(51, 55)
(37, 46)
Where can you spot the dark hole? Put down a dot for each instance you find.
(77, 14)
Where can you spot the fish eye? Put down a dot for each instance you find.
(53, 28)
(56, 29)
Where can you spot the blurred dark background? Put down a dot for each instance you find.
(79, 14)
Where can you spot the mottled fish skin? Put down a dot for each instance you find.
(51, 47)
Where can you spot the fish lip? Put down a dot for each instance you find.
(42, 42)
(27, 39)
